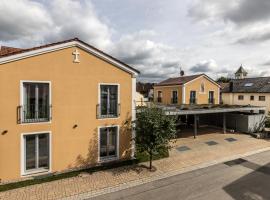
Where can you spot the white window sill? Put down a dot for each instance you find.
(108, 159)
(36, 172)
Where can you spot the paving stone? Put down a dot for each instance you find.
(128, 176)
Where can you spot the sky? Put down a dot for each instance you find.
(156, 37)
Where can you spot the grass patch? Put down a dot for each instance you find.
(144, 157)
(140, 157)
(37, 180)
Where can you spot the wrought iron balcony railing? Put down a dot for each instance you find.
(34, 113)
(108, 113)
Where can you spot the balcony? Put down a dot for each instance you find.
(174, 101)
(193, 101)
(113, 112)
(34, 113)
(211, 101)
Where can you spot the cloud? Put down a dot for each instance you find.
(254, 38)
(21, 19)
(155, 60)
(204, 66)
(238, 12)
(31, 23)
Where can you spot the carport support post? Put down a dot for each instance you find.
(224, 123)
(195, 126)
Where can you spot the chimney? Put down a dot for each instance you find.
(231, 86)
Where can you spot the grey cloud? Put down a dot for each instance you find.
(249, 11)
(32, 23)
(239, 12)
(254, 38)
(200, 68)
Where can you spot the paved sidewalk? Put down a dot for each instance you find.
(189, 154)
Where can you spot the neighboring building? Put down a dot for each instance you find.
(248, 91)
(140, 100)
(145, 89)
(64, 105)
(195, 89)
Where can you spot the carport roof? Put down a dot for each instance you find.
(207, 109)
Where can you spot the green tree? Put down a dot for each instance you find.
(154, 131)
(223, 79)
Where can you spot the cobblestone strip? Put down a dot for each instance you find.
(141, 181)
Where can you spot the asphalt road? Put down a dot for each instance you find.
(247, 179)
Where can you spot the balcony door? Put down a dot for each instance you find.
(36, 102)
(109, 95)
(192, 97)
(211, 97)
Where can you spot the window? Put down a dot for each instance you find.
(211, 99)
(261, 98)
(174, 97)
(240, 97)
(108, 142)
(109, 101)
(159, 98)
(36, 102)
(36, 152)
(251, 98)
(202, 88)
(192, 98)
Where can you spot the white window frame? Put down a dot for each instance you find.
(25, 172)
(118, 99)
(109, 158)
(22, 100)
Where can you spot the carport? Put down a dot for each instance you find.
(254, 115)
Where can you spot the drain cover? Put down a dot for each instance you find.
(235, 162)
(183, 148)
(211, 143)
(231, 139)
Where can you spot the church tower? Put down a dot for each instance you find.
(241, 73)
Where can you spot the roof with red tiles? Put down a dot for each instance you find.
(178, 80)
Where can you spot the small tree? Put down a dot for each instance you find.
(154, 131)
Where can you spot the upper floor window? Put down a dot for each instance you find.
(261, 98)
(211, 99)
(174, 97)
(36, 102)
(192, 98)
(159, 96)
(202, 88)
(251, 98)
(240, 97)
(109, 105)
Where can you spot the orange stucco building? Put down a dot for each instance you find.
(194, 89)
(63, 106)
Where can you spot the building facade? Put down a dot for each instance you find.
(248, 91)
(195, 89)
(63, 106)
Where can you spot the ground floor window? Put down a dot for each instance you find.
(108, 142)
(36, 152)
